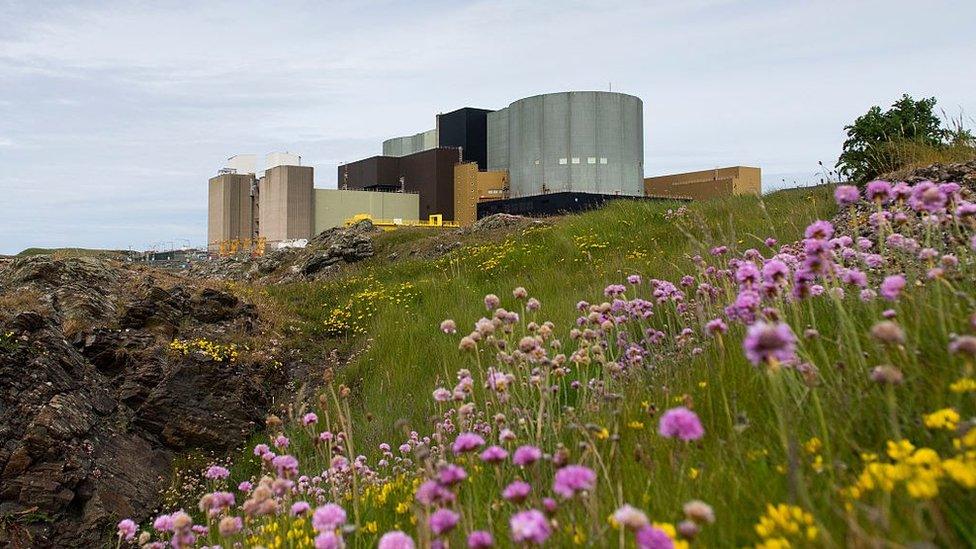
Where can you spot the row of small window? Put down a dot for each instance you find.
(576, 160)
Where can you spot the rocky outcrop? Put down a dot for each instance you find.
(503, 221)
(94, 404)
(963, 173)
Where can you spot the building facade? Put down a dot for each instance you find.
(472, 186)
(231, 213)
(706, 184)
(334, 206)
(286, 208)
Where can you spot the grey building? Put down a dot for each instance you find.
(588, 142)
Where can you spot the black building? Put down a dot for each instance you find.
(542, 205)
(466, 128)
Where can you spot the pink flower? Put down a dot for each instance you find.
(517, 491)
(467, 442)
(245, 486)
(448, 326)
(216, 472)
(281, 442)
(328, 517)
(310, 419)
(443, 521)
(650, 537)
(494, 454)
(127, 529)
(767, 342)
(572, 479)
(682, 423)
(451, 474)
(395, 540)
(530, 527)
(328, 540)
(491, 301)
(287, 466)
(299, 508)
(845, 195)
(891, 286)
(526, 455)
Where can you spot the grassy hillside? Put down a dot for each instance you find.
(829, 406)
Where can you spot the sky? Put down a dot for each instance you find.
(113, 115)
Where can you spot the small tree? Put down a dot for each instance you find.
(875, 138)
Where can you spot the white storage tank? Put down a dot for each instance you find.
(584, 141)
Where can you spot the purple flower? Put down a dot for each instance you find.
(682, 423)
(878, 191)
(819, 230)
(287, 466)
(310, 419)
(467, 442)
(163, 523)
(328, 517)
(245, 486)
(770, 242)
(281, 442)
(517, 491)
(530, 527)
(328, 540)
(634, 279)
(480, 539)
(451, 474)
(494, 454)
(766, 342)
(430, 492)
(216, 472)
(927, 197)
(845, 195)
(526, 455)
(774, 271)
(395, 540)
(448, 326)
(650, 537)
(891, 286)
(572, 479)
(443, 521)
(299, 508)
(261, 449)
(716, 326)
(127, 529)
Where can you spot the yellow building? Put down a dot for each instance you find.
(706, 184)
(472, 186)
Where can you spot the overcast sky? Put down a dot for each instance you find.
(113, 115)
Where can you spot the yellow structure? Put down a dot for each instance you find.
(253, 246)
(472, 186)
(435, 220)
(334, 206)
(706, 184)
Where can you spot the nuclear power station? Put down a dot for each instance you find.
(541, 155)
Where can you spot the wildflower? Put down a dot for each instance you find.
(963, 345)
(572, 479)
(494, 454)
(526, 455)
(395, 540)
(245, 486)
(878, 191)
(688, 529)
(442, 395)
(328, 540)
(285, 465)
(845, 195)
(716, 326)
(766, 343)
(888, 332)
(533, 304)
(520, 293)
(163, 523)
(448, 326)
(819, 230)
(229, 526)
(467, 442)
(451, 474)
(629, 517)
(946, 418)
(927, 197)
(891, 286)
(530, 527)
(261, 449)
(651, 537)
(127, 529)
(770, 242)
(467, 343)
(517, 491)
(682, 423)
(281, 442)
(491, 301)
(781, 521)
(634, 279)
(699, 511)
(887, 375)
(443, 521)
(216, 472)
(480, 539)
(328, 517)
(963, 385)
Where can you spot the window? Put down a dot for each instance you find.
(591, 160)
(536, 161)
(603, 160)
(562, 161)
(575, 160)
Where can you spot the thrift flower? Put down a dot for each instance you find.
(310, 419)
(572, 479)
(395, 540)
(328, 517)
(630, 517)
(652, 537)
(517, 491)
(526, 455)
(443, 521)
(845, 195)
(494, 454)
(480, 539)
(765, 343)
(530, 527)
(216, 472)
(682, 423)
(891, 286)
(467, 442)
(127, 529)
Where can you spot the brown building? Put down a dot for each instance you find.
(231, 209)
(287, 205)
(472, 186)
(706, 184)
(428, 173)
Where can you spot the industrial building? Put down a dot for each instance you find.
(541, 155)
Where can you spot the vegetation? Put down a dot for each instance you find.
(713, 387)
(908, 134)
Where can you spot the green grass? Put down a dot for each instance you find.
(772, 435)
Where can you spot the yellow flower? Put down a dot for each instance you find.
(603, 434)
(946, 418)
(813, 445)
(963, 385)
(636, 425)
(693, 473)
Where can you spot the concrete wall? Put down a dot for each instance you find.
(706, 184)
(286, 211)
(472, 186)
(229, 210)
(411, 144)
(429, 173)
(589, 142)
(334, 206)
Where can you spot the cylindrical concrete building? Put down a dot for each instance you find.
(589, 142)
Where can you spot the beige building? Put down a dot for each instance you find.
(706, 184)
(231, 212)
(334, 206)
(472, 186)
(286, 199)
